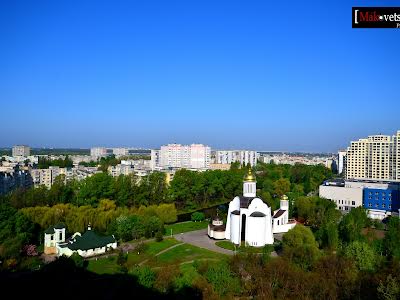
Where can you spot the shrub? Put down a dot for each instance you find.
(140, 247)
(145, 276)
(159, 236)
(197, 216)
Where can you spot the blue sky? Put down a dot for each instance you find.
(265, 75)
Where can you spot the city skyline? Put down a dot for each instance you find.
(232, 75)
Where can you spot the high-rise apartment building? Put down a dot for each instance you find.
(195, 156)
(374, 158)
(21, 150)
(231, 156)
(120, 151)
(98, 152)
(341, 161)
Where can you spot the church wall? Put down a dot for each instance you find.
(283, 228)
(50, 250)
(235, 229)
(255, 231)
(233, 205)
(219, 235)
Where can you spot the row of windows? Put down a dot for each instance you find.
(377, 193)
(377, 205)
(383, 198)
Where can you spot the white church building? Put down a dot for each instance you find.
(86, 244)
(251, 220)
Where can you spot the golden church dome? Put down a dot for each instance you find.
(249, 177)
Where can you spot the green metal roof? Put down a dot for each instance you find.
(49, 230)
(90, 240)
(59, 226)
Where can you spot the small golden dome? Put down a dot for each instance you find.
(249, 176)
(284, 197)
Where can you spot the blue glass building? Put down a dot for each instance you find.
(379, 199)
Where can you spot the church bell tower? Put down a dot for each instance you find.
(249, 184)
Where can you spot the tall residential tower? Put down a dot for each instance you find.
(374, 158)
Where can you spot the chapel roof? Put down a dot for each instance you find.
(49, 230)
(279, 213)
(217, 227)
(90, 240)
(245, 201)
(249, 177)
(257, 214)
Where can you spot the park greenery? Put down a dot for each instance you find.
(328, 255)
(45, 163)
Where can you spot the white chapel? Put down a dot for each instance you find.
(251, 220)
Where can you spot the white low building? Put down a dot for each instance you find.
(86, 244)
(216, 230)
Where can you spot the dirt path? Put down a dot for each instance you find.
(161, 252)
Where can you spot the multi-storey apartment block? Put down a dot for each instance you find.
(21, 150)
(374, 158)
(98, 152)
(231, 156)
(195, 156)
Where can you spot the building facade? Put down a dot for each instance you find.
(21, 150)
(194, 156)
(120, 151)
(242, 156)
(14, 179)
(381, 199)
(374, 158)
(341, 161)
(98, 152)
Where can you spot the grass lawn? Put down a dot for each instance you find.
(186, 253)
(109, 265)
(104, 265)
(230, 246)
(226, 245)
(185, 227)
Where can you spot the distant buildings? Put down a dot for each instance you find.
(195, 156)
(220, 167)
(47, 177)
(98, 152)
(120, 151)
(13, 179)
(374, 158)
(241, 156)
(381, 199)
(372, 171)
(292, 159)
(21, 150)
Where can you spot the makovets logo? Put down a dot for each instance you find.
(376, 17)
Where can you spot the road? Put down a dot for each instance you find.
(200, 239)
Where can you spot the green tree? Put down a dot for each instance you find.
(388, 289)
(197, 216)
(300, 247)
(392, 237)
(362, 254)
(78, 260)
(281, 187)
(352, 223)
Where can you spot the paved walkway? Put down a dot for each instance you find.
(200, 239)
